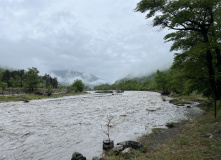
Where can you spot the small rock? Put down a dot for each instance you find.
(170, 125)
(39, 93)
(77, 156)
(120, 91)
(117, 149)
(123, 115)
(126, 151)
(108, 144)
(131, 144)
(150, 110)
(188, 107)
(97, 158)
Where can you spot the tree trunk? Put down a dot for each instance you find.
(215, 108)
(211, 72)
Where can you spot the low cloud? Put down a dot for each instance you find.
(104, 38)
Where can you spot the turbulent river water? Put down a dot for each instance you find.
(52, 129)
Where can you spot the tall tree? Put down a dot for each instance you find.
(197, 35)
(1, 75)
(6, 77)
(78, 85)
(161, 81)
(49, 81)
(47, 78)
(32, 79)
(21, 74)
(3, 86)
(54, 82)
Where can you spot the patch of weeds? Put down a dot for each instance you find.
(143, 149)
(201, 129)
(134, 154)
(181, 100)
(182, 140)
(215, 148)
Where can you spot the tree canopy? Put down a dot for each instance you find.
(196, 37)
(78, 85)
(32, 79)
(197, 30)
(28, 79)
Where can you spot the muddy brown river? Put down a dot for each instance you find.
(52, 129)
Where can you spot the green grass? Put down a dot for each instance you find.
(198, 140)
(24, 97)
(183, 99)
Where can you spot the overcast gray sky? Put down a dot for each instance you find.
(102, 37)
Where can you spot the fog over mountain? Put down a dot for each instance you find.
(66, 77)
(105, 38)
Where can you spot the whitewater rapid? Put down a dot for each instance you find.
(52, 129)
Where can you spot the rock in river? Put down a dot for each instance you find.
(77, 156)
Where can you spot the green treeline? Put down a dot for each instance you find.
(29, 79)
(196, 37)
(165, 81)
(131, 84)
(195, 27)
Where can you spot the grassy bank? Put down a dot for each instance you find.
(197, 140)
(28, 97)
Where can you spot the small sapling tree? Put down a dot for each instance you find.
(108, 144)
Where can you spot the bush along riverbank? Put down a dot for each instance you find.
(196, 140)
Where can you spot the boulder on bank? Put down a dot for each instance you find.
(119, 91)
(26, 101)
(108, 144)
(117, 149)
(104, 91)
(39, 93)
(130, 144)
(126, 152)
(170, 125)
(97, 158)
(124, 148)
(49, 93)
(77, 156)
(165, 93)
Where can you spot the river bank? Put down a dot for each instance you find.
(196, 140)
(54, 128)
(33, 96)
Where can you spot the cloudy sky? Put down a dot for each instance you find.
(102, 37)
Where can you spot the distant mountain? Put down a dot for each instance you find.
(66, 77)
